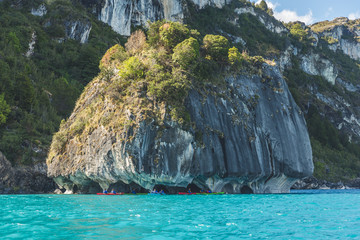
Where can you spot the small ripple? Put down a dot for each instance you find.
(293, 216)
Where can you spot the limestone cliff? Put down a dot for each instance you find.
(314, 64)
(121, 15)
(336, 104)
(341, 34)
(246, 133)
(78, 28)
(269, 22)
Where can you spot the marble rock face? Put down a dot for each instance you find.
(249, 137)
(122, 14)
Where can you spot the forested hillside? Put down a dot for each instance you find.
(40, 85)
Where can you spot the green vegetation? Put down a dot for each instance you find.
(4, 109)
(41, 89)
(225, 22)
(298, 32)
(263, 6)
(150, 80)
(335, 164)
(234, 56)
(216, 47)
(132, 69)
(329, 25)
(186, 53)
(170, 34)
(329, 39)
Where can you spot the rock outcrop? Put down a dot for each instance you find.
(78, 30)
(317, 65)
(40, 11)
(269, 22)
(24, 179)
(342, 34)
(122, 14)
(6, 171)
(313, 183)
(248, 137)
(313, 64)
(32, 43)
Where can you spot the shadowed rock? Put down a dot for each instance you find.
(24, 179)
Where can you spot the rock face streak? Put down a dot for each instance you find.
(122, 14)
(250, 135)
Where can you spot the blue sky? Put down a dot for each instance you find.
(311, 11)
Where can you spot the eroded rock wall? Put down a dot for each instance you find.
(250, 134)
(313, 64)
(25, 179)
(122, 14)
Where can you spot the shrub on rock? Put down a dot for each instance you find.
(186, 52)
(216, 47)
(173, 33)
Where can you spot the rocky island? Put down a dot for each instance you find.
(152, 118)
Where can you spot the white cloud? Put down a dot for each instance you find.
(291, 16)
(270, 4)
(353, 16)
(288, 15)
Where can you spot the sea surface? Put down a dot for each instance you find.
(321, 214)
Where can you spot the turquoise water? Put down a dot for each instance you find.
(324, 215)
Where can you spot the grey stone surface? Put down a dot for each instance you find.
(40, 11)
(31, 179)
(78, 30)
(122, 14)
(314, 64)
(346, 37)
(269, 22)
(249, 134)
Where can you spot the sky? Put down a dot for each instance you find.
(312, 11)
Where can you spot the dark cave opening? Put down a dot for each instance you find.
(120, 186)
(194, 188)
(246, 190)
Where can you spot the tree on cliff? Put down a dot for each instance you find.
(263, 5)
(4, 109)
(173, 33)
(298, 32)
(186, 52)
(216, 47)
